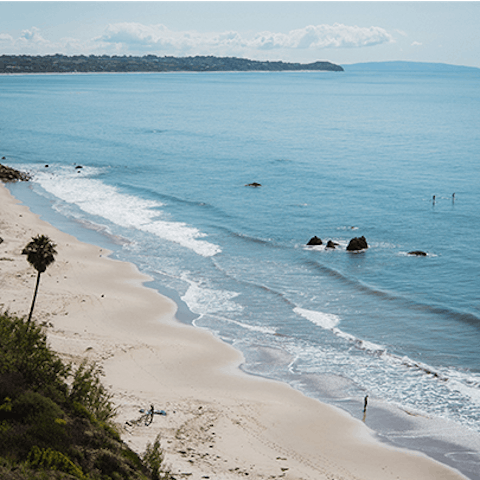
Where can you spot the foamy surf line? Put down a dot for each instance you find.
(460, 386)
(79, 187)
(204, 300)
(329, 321)
(324, 320)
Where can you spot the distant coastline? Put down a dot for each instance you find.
(15, 64)
(405, 66)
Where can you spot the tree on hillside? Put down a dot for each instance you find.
(40, 254)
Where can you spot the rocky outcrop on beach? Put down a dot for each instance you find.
(8, 174)
(357, 243)
(331, 244)
(148, 63)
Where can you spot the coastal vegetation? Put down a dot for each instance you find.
(55, 420)
(148, 63)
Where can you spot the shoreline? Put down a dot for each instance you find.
(220, 422)
(152, 73)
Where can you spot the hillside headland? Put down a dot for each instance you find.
(149, 63)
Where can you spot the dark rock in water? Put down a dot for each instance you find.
(331, 244)
(3, 158)
(315, 241)
(78, 166)
(418, 253)
(8, 174)
(357, 243)
(254, 184)
(46, 166)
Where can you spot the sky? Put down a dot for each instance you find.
(341, 32)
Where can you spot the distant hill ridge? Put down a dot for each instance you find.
(405, 66)
(149, 63)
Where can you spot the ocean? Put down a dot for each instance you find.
(389, 154)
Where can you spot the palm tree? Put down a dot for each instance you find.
(40, 254)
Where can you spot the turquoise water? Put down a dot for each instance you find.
(166, 158)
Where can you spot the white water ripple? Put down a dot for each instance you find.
(324, 320)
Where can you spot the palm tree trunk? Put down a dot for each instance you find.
(34, 298)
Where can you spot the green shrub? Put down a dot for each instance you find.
(24, 351)
(81, 411)
(108, 463)
(48, 459)
(88, 390)
(153, 460)
(110, 430)
(40, 414)
(4, 428)
(32, 407)
(133, 458)
(6, 407)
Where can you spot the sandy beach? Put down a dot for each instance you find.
(220, 423)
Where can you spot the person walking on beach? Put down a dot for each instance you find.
(365, 403)
(149, 416)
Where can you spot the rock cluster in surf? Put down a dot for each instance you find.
(355, 244)
(418, 253)
(315, 241)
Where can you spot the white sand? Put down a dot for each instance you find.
(220, 423)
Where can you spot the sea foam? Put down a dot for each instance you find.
(97, 198)
(202, 300)
(324, 320)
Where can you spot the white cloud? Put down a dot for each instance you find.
(32, 37)
(138, 39)
(134, 37)
(30, 42)
(324, 36)
(136, 34)
(4, 37)
(416, 44)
